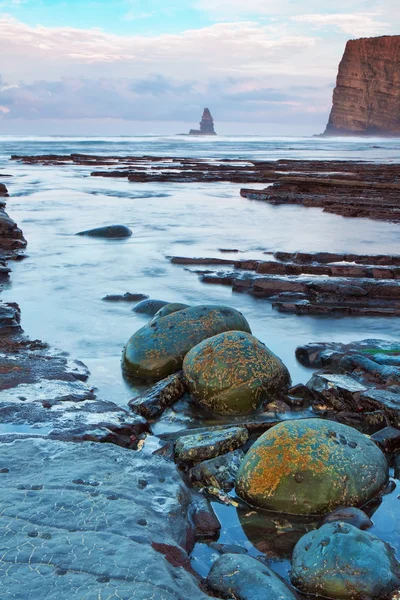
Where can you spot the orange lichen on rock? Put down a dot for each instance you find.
(311, 466)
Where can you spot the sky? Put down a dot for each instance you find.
(134, 67)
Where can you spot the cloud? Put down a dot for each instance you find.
(359, 24)
(153, 99)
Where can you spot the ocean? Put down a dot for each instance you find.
(60, 285)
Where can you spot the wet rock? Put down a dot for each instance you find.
(198, 447)
(78, 513)
(233, 373)
(277, 407)
(158, 349)
(396, 464)
(127, 297)
(337, 391)
(341, 561)
(322, 354)
(10, 318)
(245, 578)
(109, 232)
(149, 307)
(388, 439)
(168, 309)
(219, 472)
(227, 548)
(311, 466)
(163, 394)
(349, 514)
(203, 518)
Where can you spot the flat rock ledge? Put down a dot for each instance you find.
(310, 283)
(92, 521)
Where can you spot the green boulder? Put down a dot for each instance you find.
(158, 348)
(340, 561)
(234, 373)
(168, 309)
(310, 467)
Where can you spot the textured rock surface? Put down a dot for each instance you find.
(233, 373)
(158, 349)
(311, 466)
(91, 521)
(245, 578)
(198, 447)
(340, 561)
(366, 99)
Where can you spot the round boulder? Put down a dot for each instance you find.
(109, 231)
(245, 578)
(233, 373)
(311, 467)
(158, 348)
(341, 561)
(149, 306)
(168, 309)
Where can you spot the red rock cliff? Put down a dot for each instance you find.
(366, 99)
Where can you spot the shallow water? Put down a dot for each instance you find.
(60, 285)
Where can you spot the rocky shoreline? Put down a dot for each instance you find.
(95, 505)
(346, 188)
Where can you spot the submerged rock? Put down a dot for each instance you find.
(310, 467)
(109, 231)
(149, 307)
(349, 514)
(341, 561)
(127, 297)
(245, 578)
(234, 373)
(198, 447)
(158, 348)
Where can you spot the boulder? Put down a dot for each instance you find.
(234, 373)
(245, 578)
(311, 467)
(158, 348)
(341, 561)
(149, 307)
(193, 448)
(109, 232)
(168, 309)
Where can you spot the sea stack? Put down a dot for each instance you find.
(366, 99)
(206, 125)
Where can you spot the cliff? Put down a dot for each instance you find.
(366, 99)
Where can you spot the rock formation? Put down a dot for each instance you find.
(206, 125)
(366, 99)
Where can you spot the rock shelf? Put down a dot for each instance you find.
(346, 188)
(312, 283)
